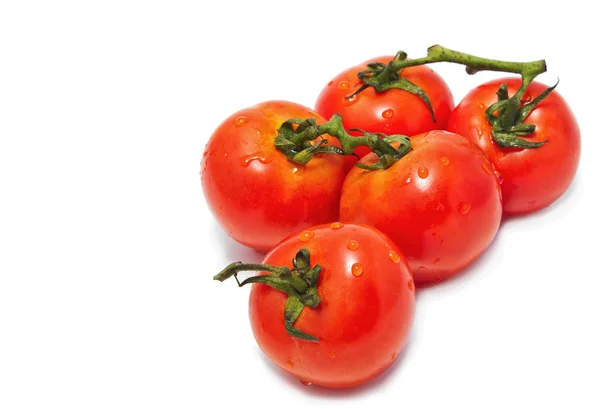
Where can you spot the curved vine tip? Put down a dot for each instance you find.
(299, 283)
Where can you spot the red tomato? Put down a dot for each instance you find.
(257, 195)
(440, 204)
(532, 178)
(391, 112)
(366, 310)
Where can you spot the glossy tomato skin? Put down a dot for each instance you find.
(391, 112)
(532, 178)
(363, 321)
(256, 194)
(441, 204)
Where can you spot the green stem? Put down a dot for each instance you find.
(296, 143)
(299, 283)
(506, 126)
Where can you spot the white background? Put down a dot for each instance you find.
(107, 249)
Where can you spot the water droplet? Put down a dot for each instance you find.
(486, 167)
(240, 120)
(336, 225)
(464, 207)
(440, 207)
(476, 130)
(357, 269)
(445, 161)
(350, 101)
(332, 355)
(395, 257)
(437, 261)
(387, 127)
(344, 85)
(388, 113)
(305, 383)
(435, 235)
(423, 172)
(411, 285)
(290, 363)
(262, 328)
(353, 245)
(247, 159)
(329, 83)
(499, 176)
(408, 158)
(306, 235)
(481, 106)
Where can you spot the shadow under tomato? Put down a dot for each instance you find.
(233, 250)
(323, 392)
(562, 206)
(476, 267)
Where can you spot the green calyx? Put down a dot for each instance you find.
(299, 283)
(383, 77)
(506, 116)
(296, 140)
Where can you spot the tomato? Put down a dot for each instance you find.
(365, 315)
(391, 112)
(256, 194)
(441, 203)
(532, 178)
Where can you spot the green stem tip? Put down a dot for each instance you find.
(299, 283)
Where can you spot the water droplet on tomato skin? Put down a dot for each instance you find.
(351, 100)
(388, 113)
(357, 269)
(499, 177)
(240, 120)
(329, 83)
(306, 235)
(247, 159)
(445, 161)
(464, 207)
(411, 285)
(353, 245)
(305, 383)
(336, 225)
(289, 363)
(332, 355)
(395, 257)
(486, 167)
(437, 261)
(344, 85)
(423, 172)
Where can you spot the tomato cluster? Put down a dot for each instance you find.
(384, 186)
